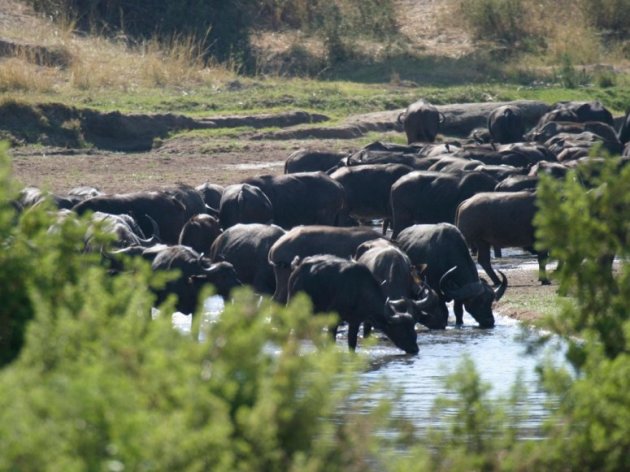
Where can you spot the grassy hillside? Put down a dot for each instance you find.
(433, 58)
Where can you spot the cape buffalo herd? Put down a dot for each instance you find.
(311, 229)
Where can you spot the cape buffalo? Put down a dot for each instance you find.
(246, 247)
(125, 230)
(211, 194)
(506, 125)
(244, 203)
(304, 160)
(190, 197)
(399, 280)
(421, 122)
(339, 285)
(624, 130)
(167, 211)
(195, 272)
(500, 219)
(432, 197)
(451, 271)
(304, 198)
(199, 233)
(309, 241)
(367, 189)
(578, 111)
(517, 183)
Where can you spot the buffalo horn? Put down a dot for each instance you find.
(392, 316)
(459, 292)
(427, 301)
(155, 237)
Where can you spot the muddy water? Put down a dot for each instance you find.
(499, 355)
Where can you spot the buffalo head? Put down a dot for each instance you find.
(477, 297)
(400, 328)
(220, 274)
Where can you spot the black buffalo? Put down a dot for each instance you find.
(125, 230)
(505, 125)
(211, 194)
(500, 219)
(246, 247)
(304, 198)
(451, 271)
(579, 112)
(195, 272)
(339, 285)
(244, 203)
(167, 211)
(309, 241)
(305, 160)
(199, 233)
(432, 197)
(400, 280)
(517, 183)
(368, 187)
(421, 122)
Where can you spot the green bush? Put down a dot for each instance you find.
(96, 384)
(32, 256)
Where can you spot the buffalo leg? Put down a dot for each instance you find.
(483, 257)
(458, 308)
(387, 223)
(542, 268)
(282, 273)
(367, 329)
(333, 332)
(497, 251)
(353, 333)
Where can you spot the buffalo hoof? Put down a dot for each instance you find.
(545, 282)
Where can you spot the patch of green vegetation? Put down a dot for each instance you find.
(336, 99)
(544, 303)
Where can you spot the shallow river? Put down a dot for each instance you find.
(499, 355)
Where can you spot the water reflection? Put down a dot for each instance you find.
(499, 355)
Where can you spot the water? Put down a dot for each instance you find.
(499, 355)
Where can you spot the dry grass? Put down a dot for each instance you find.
(98, 62)
(550, 30)
(20, 75)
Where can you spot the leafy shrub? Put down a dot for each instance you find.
(33, 257)
(100, 385)
(584, 229)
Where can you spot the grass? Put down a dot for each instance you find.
(522, 303)
(336, 99)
